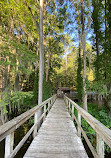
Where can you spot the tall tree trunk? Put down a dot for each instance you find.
(105, 55)
(98, 54)
(66, 71)
(41, 60)
(79, 69)
(84, 58)
(97, 58)
(109, 17)
(84, 79)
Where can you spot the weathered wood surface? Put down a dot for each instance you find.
(103, 134)
(57, 138)
(12, 125)
(101, 129)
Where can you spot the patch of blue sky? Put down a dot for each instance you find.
(70, 23)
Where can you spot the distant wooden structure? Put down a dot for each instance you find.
(63, 90)
(91, 96)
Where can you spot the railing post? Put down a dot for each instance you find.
(51, 102)
(79, 120)
(65, 101)
(69, 105)
(72, 110)
(100, 146)
(9, 141)
(55, 98)
(35, 129)
(49, 106)
(44, 111)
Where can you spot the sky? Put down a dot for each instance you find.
(71, 24)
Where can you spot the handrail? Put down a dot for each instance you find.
(103, 133)
(7, 130)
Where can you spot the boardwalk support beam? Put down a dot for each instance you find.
(103, 133)
(72, 111)
(35, 122)
(100, 146)
(7, 130)
(44, 111)
(9, 141)
(79, 120)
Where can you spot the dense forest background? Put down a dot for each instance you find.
(77, 52)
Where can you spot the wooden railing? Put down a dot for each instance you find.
(7, 130)
(103, 134)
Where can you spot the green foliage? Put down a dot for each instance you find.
(101, 116)
(98, 87)
(18, 96)
(89, 132)
(5, 100)
(47, 88)
(19, 99)
(102, 46)
(35, 89)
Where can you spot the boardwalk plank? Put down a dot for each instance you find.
(57, 137)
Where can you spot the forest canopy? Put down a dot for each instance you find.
(77, 50)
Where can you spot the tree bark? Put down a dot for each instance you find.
(105, 73)
(41, 60)
(79, 76)
(66, 70)
(84, 79)
(84, 59)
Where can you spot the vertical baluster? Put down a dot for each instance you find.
(79, 120)
(51, 102)
(44, 111)
(69, 105)
(100, 146)
(35, 129)
(72, 110)
(49, 106)
(65, 101)
(9, 141)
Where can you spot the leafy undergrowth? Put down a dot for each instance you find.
(102, 116)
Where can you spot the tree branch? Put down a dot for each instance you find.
(34, 18)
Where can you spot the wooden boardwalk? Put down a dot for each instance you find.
(57, 137)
